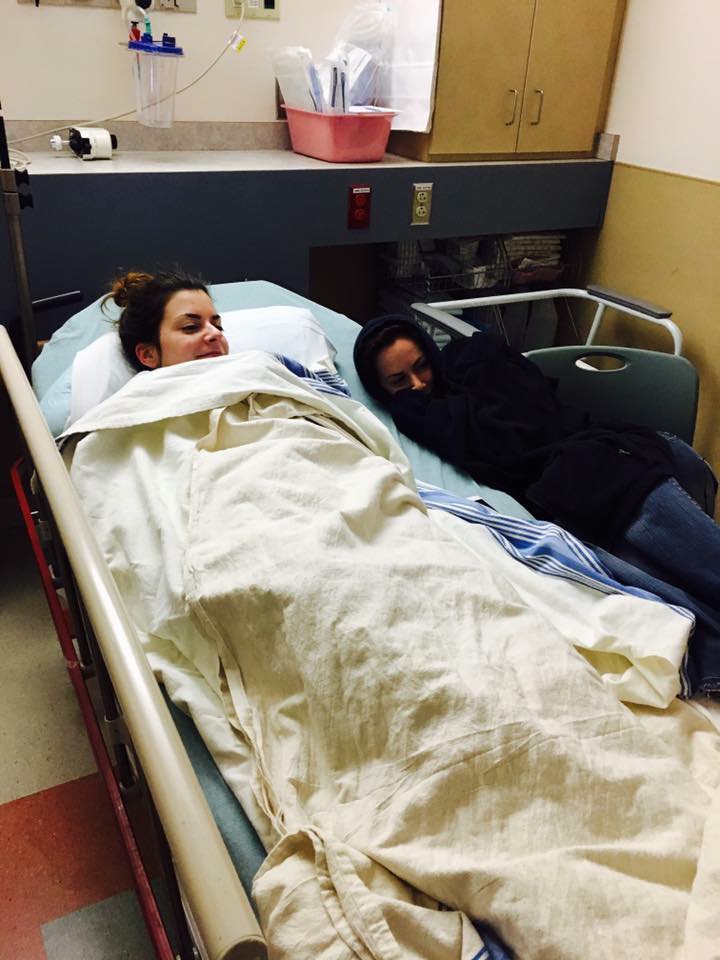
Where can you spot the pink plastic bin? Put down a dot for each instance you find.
(339, 137)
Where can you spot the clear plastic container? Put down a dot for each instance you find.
(155, 74)
(339, 137)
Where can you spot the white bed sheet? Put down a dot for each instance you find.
(415, 733)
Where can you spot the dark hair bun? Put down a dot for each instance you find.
(124, 287)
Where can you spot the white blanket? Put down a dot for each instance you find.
(416, 742)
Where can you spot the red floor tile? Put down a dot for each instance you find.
(24, 944)
(59, 850)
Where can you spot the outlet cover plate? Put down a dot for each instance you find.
(262, 9)
(421, 204)
(359, 201)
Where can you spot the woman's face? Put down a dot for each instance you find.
(402, 365)
(190, 329)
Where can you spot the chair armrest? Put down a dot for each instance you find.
(623, 300)
(437, 311)
(634, 307)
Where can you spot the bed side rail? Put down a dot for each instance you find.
(217, 902)
(437, 311)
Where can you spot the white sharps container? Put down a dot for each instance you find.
(155, 75)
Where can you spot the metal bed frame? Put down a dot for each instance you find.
(210, 915)
(126, 717)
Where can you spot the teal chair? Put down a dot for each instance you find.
(658, 390)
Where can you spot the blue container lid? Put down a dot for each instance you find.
(148, 45)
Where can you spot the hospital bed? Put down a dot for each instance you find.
(209, 850)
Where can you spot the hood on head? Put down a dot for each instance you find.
(366, 350)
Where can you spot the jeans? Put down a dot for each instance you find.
(671, 547)
(673, 536)
(693, 473)
(495, 948)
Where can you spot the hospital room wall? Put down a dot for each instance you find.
(68, 62)
(662, 224)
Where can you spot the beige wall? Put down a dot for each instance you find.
(660, 241)
(661, 237)
(67, 62)
(664, 99)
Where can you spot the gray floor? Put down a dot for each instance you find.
(111, 930)
(39, 715)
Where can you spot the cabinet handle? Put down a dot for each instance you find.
(541, 98)
(511, 121)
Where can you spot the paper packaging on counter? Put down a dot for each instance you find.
(364, 41)
(297, 77)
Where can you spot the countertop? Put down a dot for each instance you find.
(192, 161)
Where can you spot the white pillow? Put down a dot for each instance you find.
(100, 369)
(291, 331)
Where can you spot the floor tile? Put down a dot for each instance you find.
(110, 930)
(24, 944)
(42, 736)
(61, 851)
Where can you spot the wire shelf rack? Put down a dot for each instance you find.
(453, 267)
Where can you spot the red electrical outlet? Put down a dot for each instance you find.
(359, 207)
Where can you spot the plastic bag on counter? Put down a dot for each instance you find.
(359, 70)
(364, 41)
(298, 79)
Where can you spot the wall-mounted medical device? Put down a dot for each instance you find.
(88, 143)
(136, 11)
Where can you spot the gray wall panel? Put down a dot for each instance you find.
(261, 224)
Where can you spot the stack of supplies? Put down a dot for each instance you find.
(535, 257)
(327, 105)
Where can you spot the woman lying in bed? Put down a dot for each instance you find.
(166, 318)
(646, 497)
(425, 744)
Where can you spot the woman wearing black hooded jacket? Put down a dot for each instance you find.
(488, 410)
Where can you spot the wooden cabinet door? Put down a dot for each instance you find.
(570, 49)
(482, 60)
